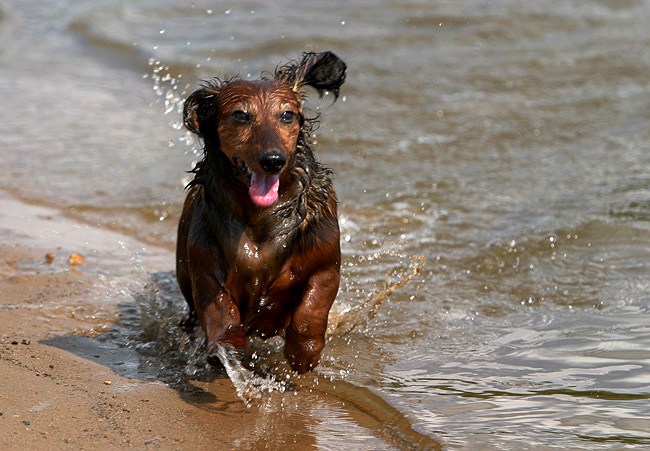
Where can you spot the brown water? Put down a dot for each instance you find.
(505, 142)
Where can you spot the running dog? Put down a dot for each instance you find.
(258, 248)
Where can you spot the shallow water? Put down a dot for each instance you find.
(505, 142)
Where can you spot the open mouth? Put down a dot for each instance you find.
(262, 188)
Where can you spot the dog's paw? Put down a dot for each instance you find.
(303, 365)
(302, 356)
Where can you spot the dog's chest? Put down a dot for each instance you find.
(252, 257)
(262, 268)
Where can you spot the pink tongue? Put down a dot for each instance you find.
(264, 189)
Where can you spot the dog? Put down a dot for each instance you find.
(258, 249)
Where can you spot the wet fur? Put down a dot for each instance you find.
(246, 269)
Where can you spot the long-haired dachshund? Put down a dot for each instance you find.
(258, 241)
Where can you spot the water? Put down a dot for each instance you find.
(504, 142)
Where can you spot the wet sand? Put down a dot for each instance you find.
(63, 388)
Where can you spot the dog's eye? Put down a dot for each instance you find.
(287, 117)
(240, 116)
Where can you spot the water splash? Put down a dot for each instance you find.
(172, 93)
(266, 371)
(249, 386)
(359, 315)
(162, 309)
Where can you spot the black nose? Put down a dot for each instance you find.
(272, 162)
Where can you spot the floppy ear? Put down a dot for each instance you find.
(323, 71)
(199, 110)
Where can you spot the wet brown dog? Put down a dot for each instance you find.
(258, 241)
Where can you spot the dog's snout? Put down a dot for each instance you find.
(272, 161)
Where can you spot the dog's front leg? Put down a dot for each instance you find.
(219, 316)
(305, 336)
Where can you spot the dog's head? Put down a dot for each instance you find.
(257, 124)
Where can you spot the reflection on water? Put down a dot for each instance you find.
(504, 142)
